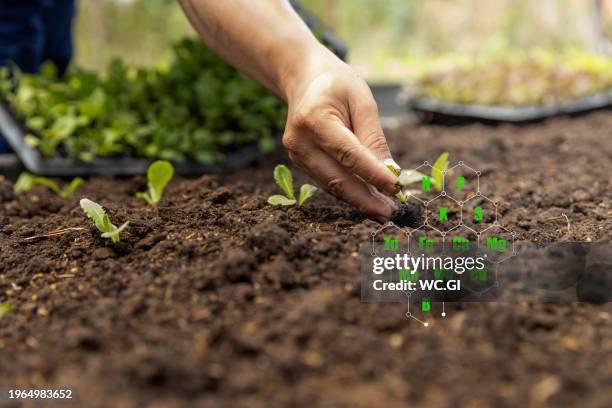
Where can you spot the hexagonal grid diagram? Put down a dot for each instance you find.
(460, 214)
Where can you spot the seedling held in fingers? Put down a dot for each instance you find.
(97, 214)
(410, 214)
(284, 179)
(26, 182)
(159, 175)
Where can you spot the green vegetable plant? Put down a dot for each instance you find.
(284, 179)
(97, 214)
(26, 182)
(159, 175)
(196, 108)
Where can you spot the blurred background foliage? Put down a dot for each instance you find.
(387, 39)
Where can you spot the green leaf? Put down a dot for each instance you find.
(5, 308)
(114, 234)
(306, 192)
(24, 183)
(410, 176)
(278, 199)
(439, 167)
(159, 175)
(402, 197)
(50, 184)
(97, 214)
(145, 196)
(284, 179)
(71, 188)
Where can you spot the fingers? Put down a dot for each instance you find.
(347, 150)
(365, 121)
(335, 179)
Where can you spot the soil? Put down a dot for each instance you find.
(215, 298)
(408, 215)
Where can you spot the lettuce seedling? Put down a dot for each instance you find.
(284, 179)
(405, 177)
(159, 175)
(26, 181)
(438, 169)
(97, 214)
(5, 308)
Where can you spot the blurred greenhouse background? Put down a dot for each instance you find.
(387, 39)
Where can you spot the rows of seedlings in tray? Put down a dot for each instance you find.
(196, 108)
(538, 79)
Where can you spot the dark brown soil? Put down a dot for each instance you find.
(215, 298)
(408, 215)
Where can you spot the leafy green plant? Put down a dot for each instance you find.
(5, 308)
(159, 175)
(197, 108)
(284, 179)
(26, 181)
(97, 214)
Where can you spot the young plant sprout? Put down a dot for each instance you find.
(97, 214)
(410, 214)
(284, 179)
(438, 169)
(26, 181)
(159, 175)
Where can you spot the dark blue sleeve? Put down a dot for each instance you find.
(32, 31)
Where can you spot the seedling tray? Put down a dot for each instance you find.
(440, 111)
(32, 160)
(13, 131)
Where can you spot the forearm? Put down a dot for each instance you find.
(265, 39)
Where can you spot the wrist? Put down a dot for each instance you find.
(311, 61)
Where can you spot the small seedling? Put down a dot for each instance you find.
(410, 214)
(26, 181)
(405, 178)
(438, 169)
(5, 308)
(97, 214)
(284, 179)
(159, 175)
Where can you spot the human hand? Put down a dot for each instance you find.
(333, 133)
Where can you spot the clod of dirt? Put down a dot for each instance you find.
(102, 253)
(267, 239)
(221, 195)
(236, 265)
(408, 215)
(280, 272)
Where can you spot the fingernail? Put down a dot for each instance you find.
(394, 188)
(392, 165)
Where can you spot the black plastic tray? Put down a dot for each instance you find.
(436, 110)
